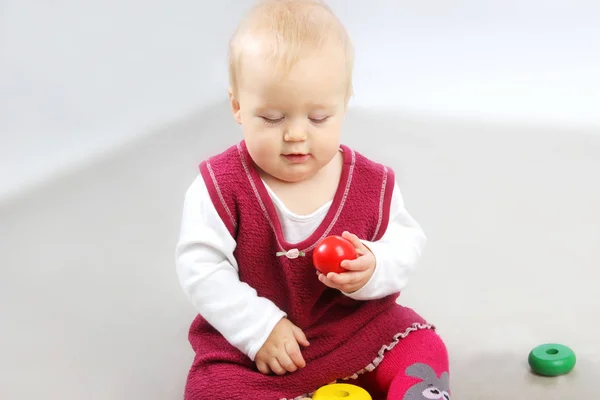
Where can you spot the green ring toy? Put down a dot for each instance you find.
(552, 359)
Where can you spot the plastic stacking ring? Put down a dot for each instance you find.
(341, 391)
(552, 359)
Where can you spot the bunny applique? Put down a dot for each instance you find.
(432, 387)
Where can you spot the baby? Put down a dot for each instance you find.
(268, 325)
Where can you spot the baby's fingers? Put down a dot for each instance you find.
(276, 367)
(346, 278)
(327, 282)
(263, 367)
(360, 247)
(295, 355)
(286, 362)
(300, 336)
(358, 264)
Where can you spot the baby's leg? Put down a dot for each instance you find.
(416, 368)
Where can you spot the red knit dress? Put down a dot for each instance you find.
(348, 337)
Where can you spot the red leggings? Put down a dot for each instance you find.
(415, 369)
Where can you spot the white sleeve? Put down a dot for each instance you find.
(208, 274)
(396, 253)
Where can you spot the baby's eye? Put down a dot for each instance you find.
(272, 121)
(319, 120)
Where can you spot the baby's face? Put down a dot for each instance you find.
(292, 125)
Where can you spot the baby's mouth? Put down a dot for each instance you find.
(296, 158)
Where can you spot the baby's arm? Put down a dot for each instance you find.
(208, 274)
(396, 253)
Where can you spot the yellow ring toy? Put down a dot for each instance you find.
(341, 391)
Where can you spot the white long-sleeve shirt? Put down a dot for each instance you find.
(208, 270)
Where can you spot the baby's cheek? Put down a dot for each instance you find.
(261, 147)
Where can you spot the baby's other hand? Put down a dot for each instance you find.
(359, 271)
(281, 352)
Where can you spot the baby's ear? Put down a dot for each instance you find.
(422, 371)
(235, 106)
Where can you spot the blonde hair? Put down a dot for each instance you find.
(288, 29)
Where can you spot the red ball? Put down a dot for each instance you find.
(329, 254)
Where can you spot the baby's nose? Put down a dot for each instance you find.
(295, 135)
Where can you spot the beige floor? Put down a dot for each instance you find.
(91, 308)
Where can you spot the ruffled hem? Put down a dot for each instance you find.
(380, 355)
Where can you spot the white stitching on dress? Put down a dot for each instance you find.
(381, 200)
(214, 179)
(262, 206)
